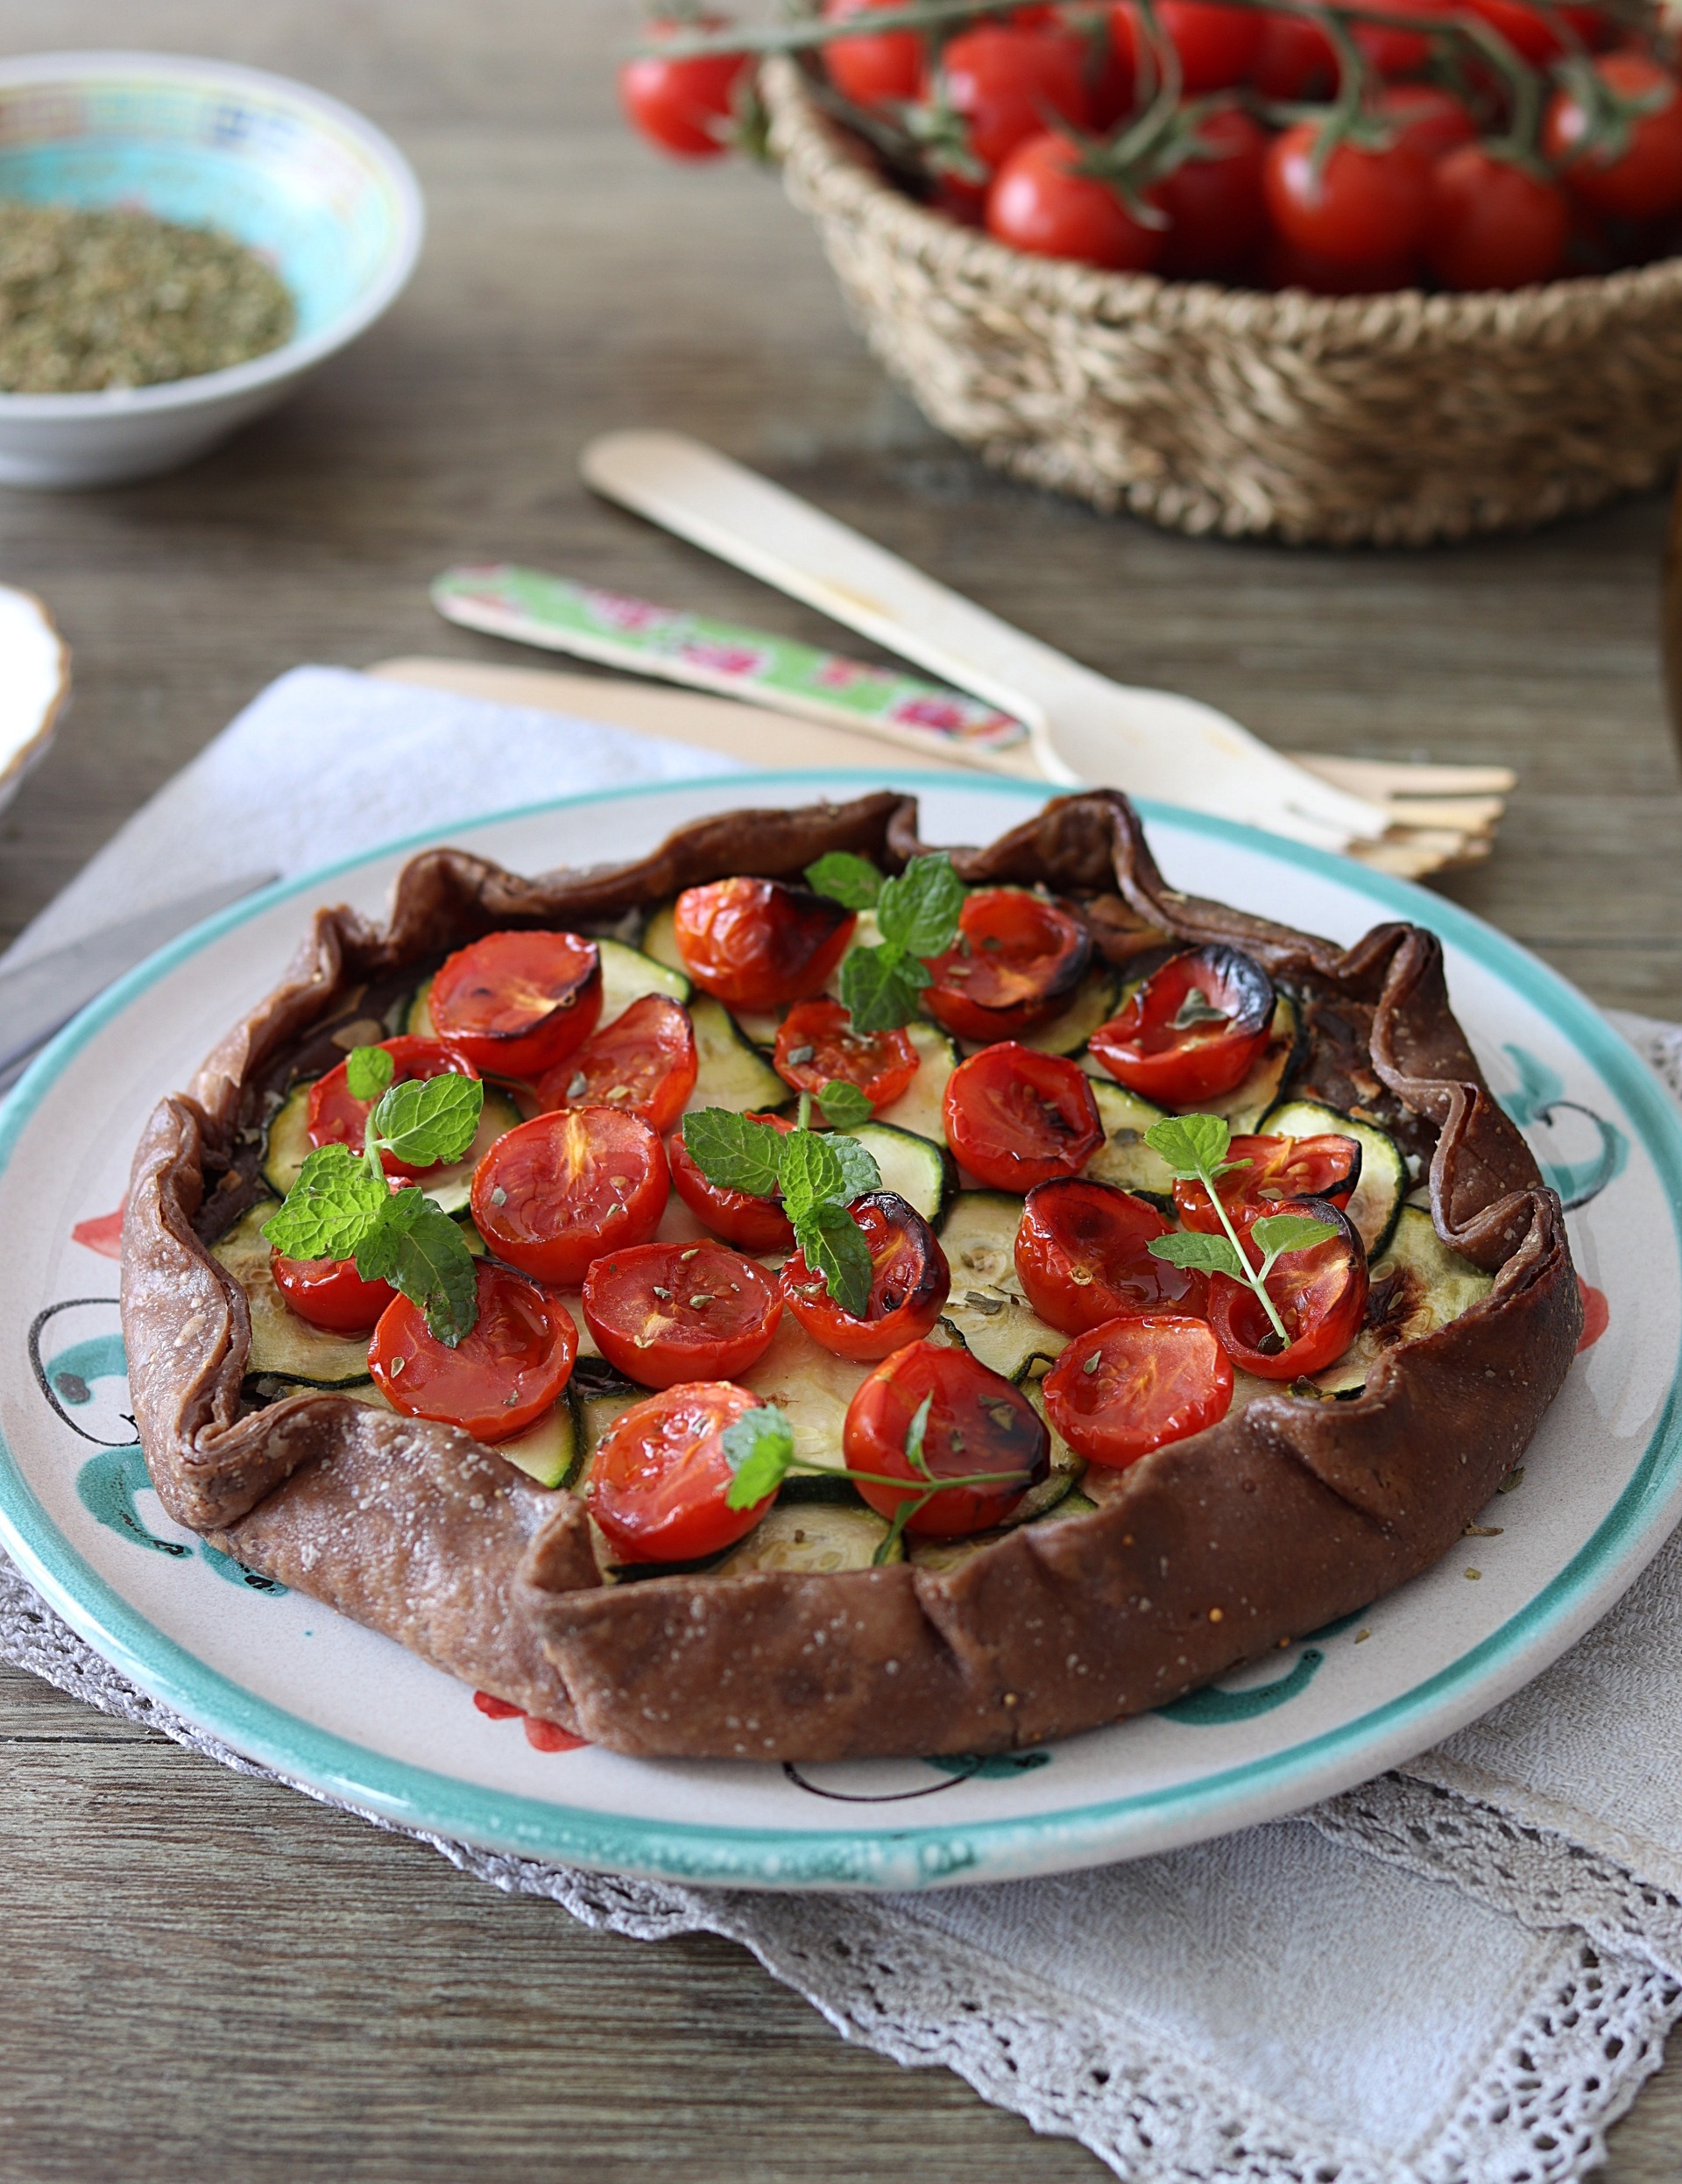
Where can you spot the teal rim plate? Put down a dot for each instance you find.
(351, 1715)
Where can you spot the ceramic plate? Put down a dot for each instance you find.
(288, 1682)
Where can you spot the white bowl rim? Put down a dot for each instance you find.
(292, 356)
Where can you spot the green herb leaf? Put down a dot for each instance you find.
(1278, 1233)
(733, 1151)
(832, 1245)
(845, 1105)
(914, 1434)
(1208, 1255)
(423, 1121)
(858, 1170)
(880, 986)
(1193, 1145)
(845, 878)
(368, 1071)
(919, 910)
(811, 1172)
(758, 1448)
(417, 1248)
(330, 1208)
(1197, 1008)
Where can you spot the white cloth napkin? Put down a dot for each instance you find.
(1458, 1974)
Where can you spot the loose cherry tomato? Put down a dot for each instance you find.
(515, 1004)
(1129, 1385)
(978, 1424)
(334, 1117)
(1360, 207)
(1321, 1294)
(1295, 59)
(1008, 84)
(755, 944)
(561, 1190)
(1194, 1029)
(1640, 176)
(1040, 204)
(1015, 1117)
(644, 1062)
(663, 1313)
(1217, 46)
(1015, 962)
(1278, 1168)
(1431, 122)
(1493, 225)
(684, 107)
(909, 1281)
(660, 1476)
(1082, 1257)
(1214, 203)
(329, 1292)
(817, 1045)
(1534, 33)
(749, 1223)
(498, 1379)
(873, 71)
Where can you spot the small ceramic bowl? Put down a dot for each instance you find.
(327, 198)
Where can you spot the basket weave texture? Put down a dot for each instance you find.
(1398, 419)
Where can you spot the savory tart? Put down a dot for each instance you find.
(805, 1296)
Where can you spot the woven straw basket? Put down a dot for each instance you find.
(1393, 419)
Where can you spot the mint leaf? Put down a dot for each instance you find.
(833, 1246)
(920, 908)
(367, 1072)
(845, 878)
(914, 1438)
(759, 1447)
(1193, 1145)
(811, 1172)
(1278, 1233)
(1197, 1008)
(330, 1209)
(733, 1151)
(845, 1105)
(423, 1121)
(417, 1248)
(858, 1170)
(1208, 1255)
(880, 986)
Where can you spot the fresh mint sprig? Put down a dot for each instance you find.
(819, 1176)
(916, 915)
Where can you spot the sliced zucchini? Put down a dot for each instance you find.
(987, 1306)
(288, 1145)
(549, 1451)
(263, 1389)
(924, 1174)
(1246, 1103)
(1094, 1004)
(1376, 1204)
(627, 974)
(951, 1554)
(1124, 1158)
(281, 1343)
(1067, 1469)
(595, 1396)
(813, 1538)
(812, 1388)
(660, 938)
(1417, 1286)
(921, 1107)
(419, 1023)
(732, 1072)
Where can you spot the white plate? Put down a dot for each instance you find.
(294, 1685)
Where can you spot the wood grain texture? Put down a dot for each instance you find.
(210, 1980)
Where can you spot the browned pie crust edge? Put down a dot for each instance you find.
(1215, 1549)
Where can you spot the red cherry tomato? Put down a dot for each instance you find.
(1284, 266)
(1009, 84)
(644, 1062)
(329, 1292)
(1217, 46)
(1015, 1117)
(1295, 59)
(1641, 177)
(516, 1003)
(978, 1424)
(1321, 1294)
(1534, 34)
(1082, 1257)
(817, 1045)
(909, 1281)
(684, 107)
(1015, 963)
(1278, 1168)
(1359, 207)
(1039, 203)
(1129, 1385)
(1493, 225)
(664, 1313)
(873, 71)
(1193, 1030)
(1396, 52)
(659, 1479)
(561, 1190)
(334, 1117)
(1214, 204)
(749, 1223)
(498, 1379)
(755, 944)
(1431, 122)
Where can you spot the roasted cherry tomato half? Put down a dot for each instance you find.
(749, 1223)
(817, 1045)
(329, 1292)
(1015, 962)
(500, 1378)
(1193, 1030)
(515, 1003)
(909, 1280)
(1124, 1388)
(1321, 1294)
(644, 1062)
(1082, 1257)
(334, 1117)
(659, 1479)
(663, 1313)
(1016, 1117)
(559, 1191)
(755, 944)
(978, 1424)
(1279, 1167)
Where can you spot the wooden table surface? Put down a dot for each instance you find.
(207, 1979)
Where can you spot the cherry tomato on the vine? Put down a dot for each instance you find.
(1321, 1293)
(1359, 206)
(1392, 52)
(1295, 60)
(557, 1191)
(1008, 84)
(332, 1117)
(1431, 122)
(684, 107)
(1039, 202)
(1214, 203)
(660, 1480)
(755, 944)
(1016, 1117)
(329, 1292)
(1128, 1385)
(1284, 266)
(1640, 175)
(1015, 962)
(644, 1062)
(817, 1045)
(1538, 35)
(878, 69)
(515, 1003)
(1269, 1169)
(662, 1313)
(751, 1224)
(1082, 1257)
(1217, 46)
(909, 1281)
(978, 1424)
(1194, 1029)
(499, 1378)
(1493, 225)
